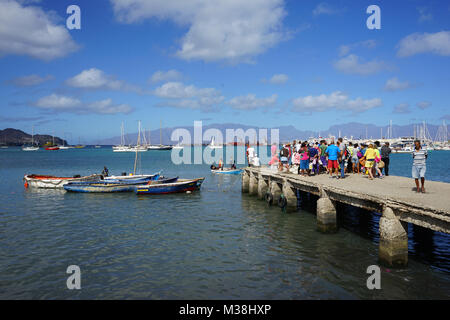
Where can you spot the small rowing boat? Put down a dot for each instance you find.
(227, 171)
(52, 182)
(132, 177)
(110, 187)
(181, 185)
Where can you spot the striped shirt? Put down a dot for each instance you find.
(419, 157)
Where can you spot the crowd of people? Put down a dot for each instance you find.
(339, 158)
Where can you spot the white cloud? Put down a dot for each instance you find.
(424, 14)
(416, 43)
(394, 84)
(231, 30)
(179, 95)
(324, 8)
(402, 108)
(60, 103)
(346, 48)
(30, 80)
(251, 102)
(161, 76)
(95, 79)
(352, 64)
(336, 100)
(28, 30)
(278, 79)
(424, 105)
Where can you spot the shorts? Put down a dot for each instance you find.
(355, 159)
(333, 164)
(304, 164)
(369, 163)
(284, 160)
(418, 171)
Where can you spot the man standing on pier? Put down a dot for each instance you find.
(342, 151)
(333, 153)
(385, 152)
(419, 165)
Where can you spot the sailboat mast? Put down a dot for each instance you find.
(160, 132)
(137, 146)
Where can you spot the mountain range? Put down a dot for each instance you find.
(15, 137)
(286, 133)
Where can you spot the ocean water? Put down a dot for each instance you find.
(214, 244)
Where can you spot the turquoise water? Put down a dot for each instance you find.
(213, 244)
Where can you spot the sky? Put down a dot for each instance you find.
(264, 63)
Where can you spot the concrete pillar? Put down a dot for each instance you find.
(263, 187)
(326, 215)
(245, 181)
(393, 248)
(290, 196)
(275, 190)
(253, 185)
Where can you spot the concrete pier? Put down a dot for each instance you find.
(326, 215)
(392, 196)
(253, 184)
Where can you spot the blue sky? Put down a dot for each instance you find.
(267, 63)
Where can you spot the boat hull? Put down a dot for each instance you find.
(52, 182)
(234, 171)
(167, 188)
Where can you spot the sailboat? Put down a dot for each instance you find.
(63, 147)
(32, 147)
(212, 145)
(51, 146)
(161, 146)
(122, 147)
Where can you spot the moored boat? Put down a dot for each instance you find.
(53, 182)
(181, 185)
(227, 171)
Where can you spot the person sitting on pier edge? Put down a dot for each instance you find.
(105, 171)
(419, 166)
(385, 151)
(333, 153)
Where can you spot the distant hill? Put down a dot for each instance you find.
(15, 137)
(287, 133)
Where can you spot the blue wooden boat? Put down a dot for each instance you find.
(109, 187)
(101, 187)
(227, 171)
(181, 185)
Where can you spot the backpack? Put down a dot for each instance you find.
(284, 152)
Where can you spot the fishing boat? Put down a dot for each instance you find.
(132, 179)
(32, 147)
(110, 187)
(227, 171)
(181, 185)
(102, 186)
(53, 182)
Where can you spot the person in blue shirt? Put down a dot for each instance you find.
(333, 153)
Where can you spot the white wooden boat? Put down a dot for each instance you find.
(52, 182)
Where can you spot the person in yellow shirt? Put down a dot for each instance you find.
(369, 156)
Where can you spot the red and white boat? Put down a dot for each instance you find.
(52, 182)
(52, 148)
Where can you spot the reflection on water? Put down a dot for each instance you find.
(213, 244)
